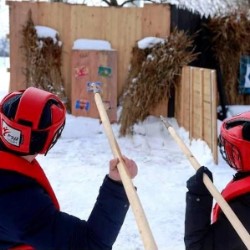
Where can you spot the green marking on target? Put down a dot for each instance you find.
(104, 71)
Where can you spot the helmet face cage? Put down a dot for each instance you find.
(234, 141)
(231, 154)
(55, 138)
(222, 148)
(16, 133)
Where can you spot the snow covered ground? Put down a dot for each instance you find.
(78, 163)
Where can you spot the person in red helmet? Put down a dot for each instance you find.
(31, 121)
(206, 227)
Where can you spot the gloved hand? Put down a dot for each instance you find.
(195, 183)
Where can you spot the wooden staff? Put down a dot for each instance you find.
(229, 213)
(142, 223)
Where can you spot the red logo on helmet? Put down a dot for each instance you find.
(5, 131)
(10, 134)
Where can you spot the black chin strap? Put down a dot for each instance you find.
(241, 175)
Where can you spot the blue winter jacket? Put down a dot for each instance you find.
(28, 216)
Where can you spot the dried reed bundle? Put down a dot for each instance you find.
(230, 40)
(43, 60)
(154, 71)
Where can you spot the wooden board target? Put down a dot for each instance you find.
(97, 66)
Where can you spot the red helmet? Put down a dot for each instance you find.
(235, 141)
(31, 121)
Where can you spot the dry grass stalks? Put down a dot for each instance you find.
(154, 71)
(230, 40)
(43, 60)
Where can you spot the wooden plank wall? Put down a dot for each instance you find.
(196, 105)
(122, 27)
(86, 65)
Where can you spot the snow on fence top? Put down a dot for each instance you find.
(44, 31)
(91, 44)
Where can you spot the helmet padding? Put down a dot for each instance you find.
(30, 120)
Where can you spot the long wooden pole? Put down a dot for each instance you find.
(229, 213)
(142, 223)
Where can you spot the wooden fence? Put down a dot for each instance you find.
(122, 27)
(196, 105)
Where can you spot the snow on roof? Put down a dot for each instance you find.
(205, 7)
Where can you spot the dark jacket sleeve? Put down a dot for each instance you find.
(197, 220)
(200, 234)
(110, 210)
(28, 216)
